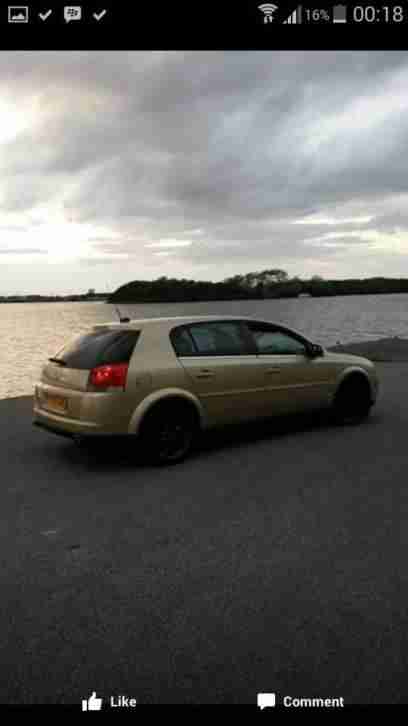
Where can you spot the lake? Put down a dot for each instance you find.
(31, 332)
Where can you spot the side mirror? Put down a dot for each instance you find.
(315, 351)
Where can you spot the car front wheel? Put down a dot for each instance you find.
(168, 433)
(352, 402)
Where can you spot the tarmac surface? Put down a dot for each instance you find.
(273, 560)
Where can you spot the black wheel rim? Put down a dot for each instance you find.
(172, 440)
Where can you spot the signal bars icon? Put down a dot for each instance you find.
(295, 17)
(268, 10)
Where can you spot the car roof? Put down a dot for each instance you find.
(167, 321)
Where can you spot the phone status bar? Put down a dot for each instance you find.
(263, 14)
(252, 25)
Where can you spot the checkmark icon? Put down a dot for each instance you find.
(45, 16)
(99, 16)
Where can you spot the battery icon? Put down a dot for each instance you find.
(339, 14)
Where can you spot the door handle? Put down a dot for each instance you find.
(272, 371)
(205, 373)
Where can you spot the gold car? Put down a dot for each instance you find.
(165, 379)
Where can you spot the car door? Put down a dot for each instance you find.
(292, 381)
(222, 368)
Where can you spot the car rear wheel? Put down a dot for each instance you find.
(352, 402)
(168, 433)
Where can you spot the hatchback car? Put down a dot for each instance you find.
(162, 380)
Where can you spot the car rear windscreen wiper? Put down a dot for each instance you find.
(57, 360)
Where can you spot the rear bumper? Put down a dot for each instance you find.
(73, 428)
(46, 426)
(63, 424)
(86, 413)
(53, 429)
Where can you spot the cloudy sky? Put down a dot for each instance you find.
(122, 166)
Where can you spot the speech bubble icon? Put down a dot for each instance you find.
(266, 700)
(72, 12)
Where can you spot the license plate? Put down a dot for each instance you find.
(55, 403)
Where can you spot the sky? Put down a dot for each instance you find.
(117, 166)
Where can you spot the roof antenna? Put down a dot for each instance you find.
(121, 319)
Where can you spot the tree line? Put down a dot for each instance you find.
(267, 284)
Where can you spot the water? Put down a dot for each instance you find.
(31, 332)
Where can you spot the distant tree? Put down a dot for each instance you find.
(275, 275)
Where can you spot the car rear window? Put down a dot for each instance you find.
(99, 347)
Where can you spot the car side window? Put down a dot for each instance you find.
(182, 342)
(272, 341)
(219, 338)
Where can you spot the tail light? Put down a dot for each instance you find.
(109, 375)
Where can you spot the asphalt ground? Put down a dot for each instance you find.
(274, 560)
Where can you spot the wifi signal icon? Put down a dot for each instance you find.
(268, 10)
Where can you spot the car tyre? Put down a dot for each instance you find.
(352, 402)
(168, 433)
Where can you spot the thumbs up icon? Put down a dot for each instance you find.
(92, 704)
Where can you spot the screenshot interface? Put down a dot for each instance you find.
(203, 397)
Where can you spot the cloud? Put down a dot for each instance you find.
(23, 251)
(106, 260)
(208, 162)
(169, 243)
